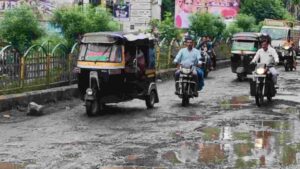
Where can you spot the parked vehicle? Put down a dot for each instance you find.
(280, 31)
(115, 67)
(262, 84)
(244, 48)
(186, 84)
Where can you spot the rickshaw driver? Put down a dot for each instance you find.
(268, 56)
(190, 55)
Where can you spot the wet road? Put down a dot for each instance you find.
(221, 129)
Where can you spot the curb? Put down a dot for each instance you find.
(8, 102)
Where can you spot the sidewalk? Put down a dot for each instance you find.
(14, 101)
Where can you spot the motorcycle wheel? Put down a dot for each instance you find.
(92, 107)
(185, 101)
(259, 98)
(286, 68)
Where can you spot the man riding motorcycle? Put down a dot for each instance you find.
(268, 56)
(291, 43)
(189, 56)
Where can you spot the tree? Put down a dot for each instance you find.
(167, 28)
(206, 24)
(20, 27)
(243, 23)
(167, 6)
(76, 21)
(261, 9)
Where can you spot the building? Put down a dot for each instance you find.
(135, 15)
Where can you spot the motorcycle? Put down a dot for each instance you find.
(206, 63)
(262, 84)
(288, 55)
(185, 85)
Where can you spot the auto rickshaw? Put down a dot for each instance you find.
(243, 50)
(114, 67)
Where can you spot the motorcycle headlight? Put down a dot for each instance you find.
(185, 70)
(260, 71)
(286, 47)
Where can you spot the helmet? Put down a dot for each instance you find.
(267, 37)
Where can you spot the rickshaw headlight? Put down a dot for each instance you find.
(260, 71)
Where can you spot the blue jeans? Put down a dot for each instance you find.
(200, 74)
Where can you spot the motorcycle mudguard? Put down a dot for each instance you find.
(89, 97)
(240, 70)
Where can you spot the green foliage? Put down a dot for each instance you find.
(20, 27)
(243, 23)
(168, 6)
(205, 24)
(167, 28)
(261, 9)
(76, 21)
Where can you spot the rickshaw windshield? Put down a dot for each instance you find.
(100, 52)
(244, 45)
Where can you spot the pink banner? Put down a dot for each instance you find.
(228, 9)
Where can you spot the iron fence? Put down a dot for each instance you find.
(42, 66)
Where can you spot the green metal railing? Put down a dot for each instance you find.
(42, 66)
(48, 65)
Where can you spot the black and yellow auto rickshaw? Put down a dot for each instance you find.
(244, 48)
(114, 67)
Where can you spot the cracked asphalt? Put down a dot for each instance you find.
(223, 128)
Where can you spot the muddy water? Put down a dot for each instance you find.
(246, 145)
(6, 165)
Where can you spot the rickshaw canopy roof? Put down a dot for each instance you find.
(113, 37)
(247, 36)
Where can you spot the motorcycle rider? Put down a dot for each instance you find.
(268, 56)
(291, 43)
(189, 56)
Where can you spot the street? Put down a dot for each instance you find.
(222, 128)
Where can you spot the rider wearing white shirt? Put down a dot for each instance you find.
(268, 56)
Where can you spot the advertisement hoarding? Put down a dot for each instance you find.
(227, 9)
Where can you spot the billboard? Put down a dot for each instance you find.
(43, 8)
(227, 9)
(121, 11)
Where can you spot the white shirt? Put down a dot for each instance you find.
(267, 57)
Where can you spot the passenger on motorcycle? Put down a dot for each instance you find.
(190, 56)
(268, 56)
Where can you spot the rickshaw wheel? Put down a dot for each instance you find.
(150, 99)
(92, 108)
(269, 98)
(240, 77)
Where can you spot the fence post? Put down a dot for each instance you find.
(70, 68)
(169, 52)
(48, 70)
(22, 71)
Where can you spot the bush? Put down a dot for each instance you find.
(20, 27)
(76, 21)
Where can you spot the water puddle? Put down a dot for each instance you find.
(6, 165)
(249, 144)
(236, 102)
